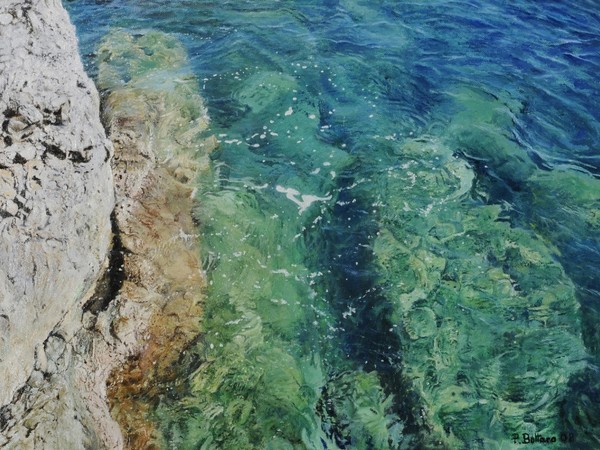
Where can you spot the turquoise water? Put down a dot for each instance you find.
(402, 228)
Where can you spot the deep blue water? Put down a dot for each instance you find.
(380, 73)
(406, 53)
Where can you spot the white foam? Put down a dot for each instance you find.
(234, 322)
(302, 200)
(351, 311)
(279, 301)
(427, 210)
(283, 272)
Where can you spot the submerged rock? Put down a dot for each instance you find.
(56, 196)
(489, 321)
(155, 118)
(557, 199)
(255, 375)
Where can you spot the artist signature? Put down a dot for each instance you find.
(526, 438)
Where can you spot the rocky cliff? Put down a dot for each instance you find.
(98, 296)
(56, 198)
(56, 191)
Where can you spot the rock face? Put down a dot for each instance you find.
(78, 313)
(56, 191)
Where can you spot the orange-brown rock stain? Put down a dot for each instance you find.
(164, 282)
(165, 263)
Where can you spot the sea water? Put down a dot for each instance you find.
(401, 228)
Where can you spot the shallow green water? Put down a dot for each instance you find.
(401, 226)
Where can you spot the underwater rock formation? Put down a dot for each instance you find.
(269, 370)
(488, 319)
(56, 193)
(155, 118)
(559, 202)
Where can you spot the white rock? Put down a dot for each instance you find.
(5, 19)
(27, 152)
(11, 208)
(52, 251)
